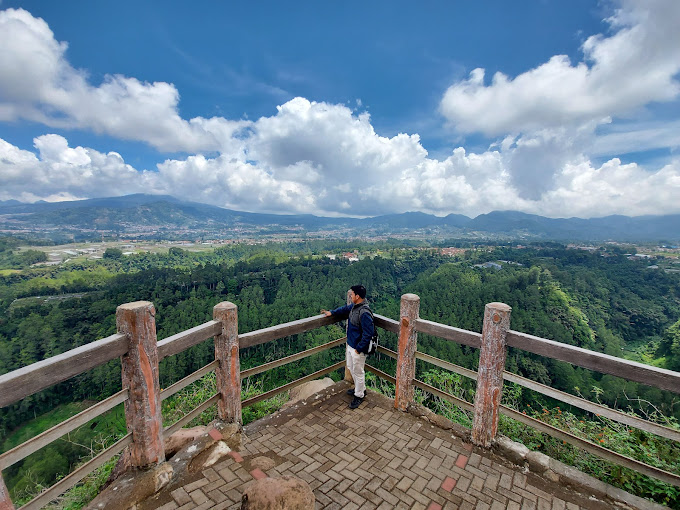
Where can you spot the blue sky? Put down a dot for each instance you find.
(352, 109)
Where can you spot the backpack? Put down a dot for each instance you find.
(373, 343)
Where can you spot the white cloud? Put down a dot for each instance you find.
(230, 183)
(613, 188)
(37, 83)
(636, 65)
(466, 183)
(341, 153)
(60, 172)
(552, 115)
(637, 137)
(463, 183)
(326, 159)
(533, 159)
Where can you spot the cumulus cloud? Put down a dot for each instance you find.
(551, 116)
(327, 159)
(230, 183)
(613, 188)
(60, 172)
(38, 83)
(466, 183)
(636, 65)
(340, 153)
(320, 158)
(533, 159)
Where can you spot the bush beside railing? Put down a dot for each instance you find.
(140, 352)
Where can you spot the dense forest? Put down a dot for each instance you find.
(596, 300)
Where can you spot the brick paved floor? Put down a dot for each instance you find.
(372, 457)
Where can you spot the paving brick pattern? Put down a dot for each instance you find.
(371, 458)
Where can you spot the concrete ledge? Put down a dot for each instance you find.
(420, 411)
(133, 487)
(556, 471)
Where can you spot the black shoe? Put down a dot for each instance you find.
(356, 402)
(350, 391)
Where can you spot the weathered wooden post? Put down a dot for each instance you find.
(140, 376)
(406, 355)
(348, 374)
(490, 375)
(5, 501)
(228, 372)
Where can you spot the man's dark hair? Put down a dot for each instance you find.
(359, 290)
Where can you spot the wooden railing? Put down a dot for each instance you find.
(140, 353)
(492, 342)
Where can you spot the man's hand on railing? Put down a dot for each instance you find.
(326, 313)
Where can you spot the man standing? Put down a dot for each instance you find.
(360, 329)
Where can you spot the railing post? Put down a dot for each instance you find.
(406, 353)
(490, 375)
(5, 501)
(228, 372)
(140, 376)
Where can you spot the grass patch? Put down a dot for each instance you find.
(80, 495)
(41, 423)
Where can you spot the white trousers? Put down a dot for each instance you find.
(355, 365)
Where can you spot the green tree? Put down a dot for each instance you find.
(29, 257)
(113, 253)
(672, 339)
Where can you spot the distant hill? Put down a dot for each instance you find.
(127, 213)
(642, 228)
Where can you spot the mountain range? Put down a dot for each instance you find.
(166, 213)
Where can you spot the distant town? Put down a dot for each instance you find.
(659, 257)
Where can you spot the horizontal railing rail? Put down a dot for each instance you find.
(460, 336)
(34, 444)
(182, 341)
(442, 394)
(593, 448)
(557, 433)
(26, 381)
(552, 431)
(264, 335)
(271, 393)
(35, 377)
(76, 476)
(567, 398)
(381, 374)
(387, 324)
(191, 378)
(289, 359)
(203, 406)
(603, 363)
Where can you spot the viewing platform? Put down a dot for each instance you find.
(388, 453)
(378, 457)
